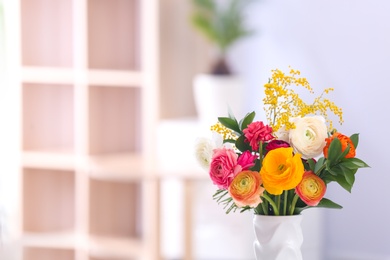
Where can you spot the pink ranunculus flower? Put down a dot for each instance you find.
(276, 144)
(224, 167)
(246, 160)
(257, 132)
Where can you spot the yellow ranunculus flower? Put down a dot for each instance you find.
(281, 170)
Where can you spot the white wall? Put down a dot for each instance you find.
(346, 45)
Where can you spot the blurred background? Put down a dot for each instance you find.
(99, 121)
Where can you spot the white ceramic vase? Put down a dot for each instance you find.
(278, 237)
(215, 94)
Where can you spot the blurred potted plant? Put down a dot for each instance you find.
(222, 23)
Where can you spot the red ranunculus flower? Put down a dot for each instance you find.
(276, 144)
(257, 132)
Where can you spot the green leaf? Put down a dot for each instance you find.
(219, 194)
(231, 114)
(204, 25)
(233, 207)
(327, 203)
(220, 197)
(355, 139)
(324, 203)
(206, 4)
(298, 210)
(319, 165)
(334, 152)
(257, 166)
(333, 170)
(242, 145)
(340, 179)
(344, 153)
(350, 177)
(348, 173)
(245, 209)
(354, 163)
(229, 141)
(247, 120)
(340, 169)
(327, 177)
(312, 164)
(230, 123)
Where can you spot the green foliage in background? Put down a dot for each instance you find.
(222, 24)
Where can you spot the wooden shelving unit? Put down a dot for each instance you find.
(86, 73)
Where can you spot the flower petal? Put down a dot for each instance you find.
(311, 189)
(246, 189)
(281, 170)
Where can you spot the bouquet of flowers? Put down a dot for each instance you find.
(282, 166)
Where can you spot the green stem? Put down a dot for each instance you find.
(320, 169)
(272, 203)
(293, 204)
(265, 208)
(261, 153)
(285, 202)
(264, 204)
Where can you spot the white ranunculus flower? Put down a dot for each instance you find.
(283, 134)
(308, 136)
(204, 149)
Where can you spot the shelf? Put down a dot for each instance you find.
(48, 117)
(114, 209)
(108, 258)
(47, 75)
(48, 200)
(115, 167)
(111, 78)
(85, 76)
(46, 32)
(118, 167)
(49, 160)
(99, 77)
(48, 254)
(115, 120)
(57, 240)
(113, 34)
(102, 248)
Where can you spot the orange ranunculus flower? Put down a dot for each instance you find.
(311, 189)
(345, 141)
(246, 189)
(281, 170)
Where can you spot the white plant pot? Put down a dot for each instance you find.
(215, 94)
(278, 237)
